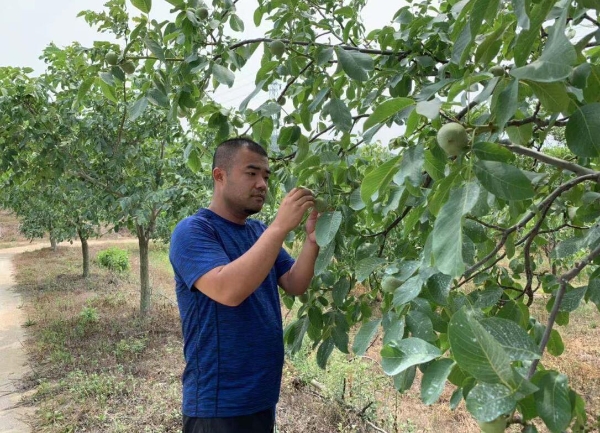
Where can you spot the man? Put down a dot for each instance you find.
(227, 269)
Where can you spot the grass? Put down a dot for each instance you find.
(97, 366)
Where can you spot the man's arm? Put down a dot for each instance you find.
(298, 278)
(232, 283)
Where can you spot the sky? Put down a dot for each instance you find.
(28, 26)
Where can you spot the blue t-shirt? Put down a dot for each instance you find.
(234, 355)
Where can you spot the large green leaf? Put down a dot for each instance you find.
(520, 9)
(365, 336)
(367, 266)
(324, 258)
(503, 180)
(552, 401)
(583, 131)
(223, 75)
(434, 380)
(324, 352)
(555, 62)
(378, 178)
(155, 48)
(383, 112)
(354, 63)
(340, 114)
(327, 226)
(406, 353)
(506, 104)
(516, 341)
(552, 96)
(138, 108)
(143, 5)
(492, 152)
(408, 291)
(411, 166)
(488, 401)
(476, 351)
(447, 235)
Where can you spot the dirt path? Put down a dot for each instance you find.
(13, 362)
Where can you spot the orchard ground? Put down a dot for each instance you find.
(96, 366)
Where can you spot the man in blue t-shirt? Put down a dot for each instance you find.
(227, 269)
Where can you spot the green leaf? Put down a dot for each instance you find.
(476, 351)
(155, 48)
(255, 92)
(503, 180)
(367, 266)
(515, 340)
(404, 380)
(107, 90)
(488, 401)
(447, 230)
(378, 178)
(223, 75)
(324, 352)
(408, 291)
(506, 104)
(434, 380)
(327, 226)
(83, 90)
(143, 5)
(555, 346)
(354, 63)
(365, 336)
(387, 110)
(552, 401)
(555, 62)
(236, 23)
(340, 114)
(138, 108)
(552, 96)
(157, 97)
(406, 353)
(393, 329)
(324, 258)
(340, 290)
(411, 166)
(420, 325)
(583, 131)
(520, 8)
(429, 109)
(492, 152)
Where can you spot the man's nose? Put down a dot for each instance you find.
(262, 183)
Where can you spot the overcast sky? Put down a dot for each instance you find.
(28, 26)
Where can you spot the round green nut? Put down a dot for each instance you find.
(128, 67)
(320, 205)
(111, 58)
(202, 13)
(390, 284)
(497, 71)
(496, 426)
(277, 48)
(453, 138)
(281, 100)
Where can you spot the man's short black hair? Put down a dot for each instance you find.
(225, 152)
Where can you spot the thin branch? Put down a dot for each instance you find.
(550, 160)
(462, 113)
(489, 226)
(564, 279)
(295, 77)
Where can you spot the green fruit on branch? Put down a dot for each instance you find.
(111, 58)
(497, 71)
(390, 284)
(320, 205)
(128, 67)
(453, 138)
(281, 100)
(202, 13)
(496, 426)
(277, 48)
(303, 298)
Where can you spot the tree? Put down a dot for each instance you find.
(425, 233)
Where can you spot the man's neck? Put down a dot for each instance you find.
(227, 214)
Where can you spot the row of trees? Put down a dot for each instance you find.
(452, 253)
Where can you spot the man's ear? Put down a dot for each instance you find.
(218, 174)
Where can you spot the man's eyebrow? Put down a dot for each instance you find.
(256, 167)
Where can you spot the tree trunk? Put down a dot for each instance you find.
(145, 289)
(85, 252)
(53, 243)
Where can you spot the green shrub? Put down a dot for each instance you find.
(114, 259)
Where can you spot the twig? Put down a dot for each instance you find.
(564, 279)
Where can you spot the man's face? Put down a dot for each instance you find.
(245, 183)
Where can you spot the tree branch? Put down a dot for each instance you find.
(550, 160)
(564, 279)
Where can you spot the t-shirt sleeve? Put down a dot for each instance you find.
(196, 250)
(283, 263)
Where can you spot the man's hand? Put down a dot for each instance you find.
(311, 224)
(293, 208)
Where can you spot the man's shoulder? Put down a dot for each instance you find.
(197, 221)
